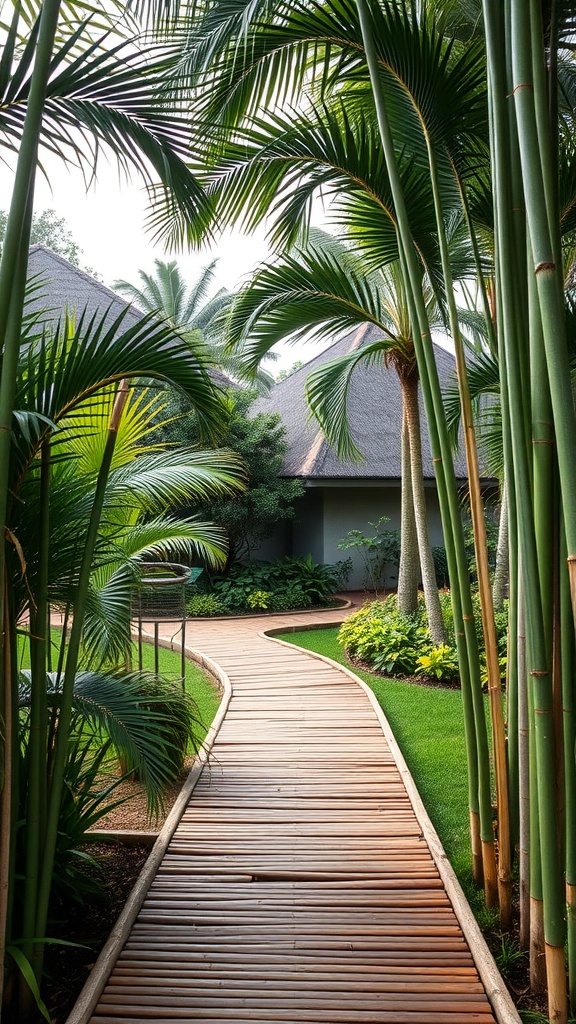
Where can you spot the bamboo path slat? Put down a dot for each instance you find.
(298, 887)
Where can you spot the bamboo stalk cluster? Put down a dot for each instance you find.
(539, 433)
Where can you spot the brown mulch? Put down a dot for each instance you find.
(132, 815)
(89, 923)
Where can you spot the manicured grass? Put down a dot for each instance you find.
(428, 725)
(198, 684)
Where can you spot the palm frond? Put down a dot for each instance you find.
(310, 293)
(108, 99)
(327, 391)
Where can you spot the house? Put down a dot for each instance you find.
(339, 495)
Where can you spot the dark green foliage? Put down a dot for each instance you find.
(291, 598)
(441, 565)
(307, 582)
(252, 517)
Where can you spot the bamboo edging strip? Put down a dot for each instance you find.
(496, 991)
(92, 990)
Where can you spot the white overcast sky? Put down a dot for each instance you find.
(108, 222)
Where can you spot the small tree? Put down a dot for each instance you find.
(251, 517)
(378, 552)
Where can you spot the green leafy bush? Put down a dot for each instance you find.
(204, 605)
(300, 575)
(378, 552)
(259, 600)
(289, 599)
(383, 638)
(439, 663)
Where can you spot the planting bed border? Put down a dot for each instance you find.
(496, 991)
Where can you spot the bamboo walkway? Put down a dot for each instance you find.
(298, 887)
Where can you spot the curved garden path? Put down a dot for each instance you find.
(299, 885)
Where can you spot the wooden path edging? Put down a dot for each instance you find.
(496, 991)
(96, 981)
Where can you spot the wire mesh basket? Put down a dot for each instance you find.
(161, 591)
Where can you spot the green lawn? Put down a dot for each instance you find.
(198, 683)
(427, 723)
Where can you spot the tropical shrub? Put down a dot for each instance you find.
(439, 663)
(289, 599)
(301, 576)
(383, 638)
(204, 606)
(259, 600)
(378, 552)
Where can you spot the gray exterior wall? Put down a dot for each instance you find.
(327, 512)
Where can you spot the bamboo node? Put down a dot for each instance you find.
(7, 429)
(522, 85)
(541, 440)
(571, 558)
(539, 672)
(437, 459)
(544, 266)
(468, 618)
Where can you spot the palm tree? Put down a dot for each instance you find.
(320, 289)
(189, 311)
(83, 511)
(186, 307)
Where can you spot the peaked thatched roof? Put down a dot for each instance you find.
(62, 286)
(374, 412)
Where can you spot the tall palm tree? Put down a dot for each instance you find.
(320, 289)
(189, 310)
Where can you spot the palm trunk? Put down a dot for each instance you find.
(502, 553)
(409, 568)
(409, 385)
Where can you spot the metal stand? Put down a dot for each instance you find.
(161, 597)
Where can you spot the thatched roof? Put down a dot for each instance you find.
(375, 415)
(65, 287)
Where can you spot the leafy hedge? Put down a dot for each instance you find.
(286, 584)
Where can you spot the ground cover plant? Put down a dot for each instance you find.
(382, 637)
